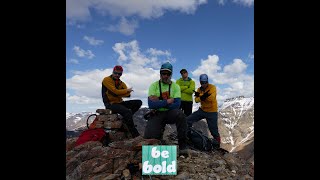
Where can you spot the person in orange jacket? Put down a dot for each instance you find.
(208, 110)
(113, 90)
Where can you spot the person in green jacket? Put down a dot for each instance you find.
(187, 87)
(164, 100)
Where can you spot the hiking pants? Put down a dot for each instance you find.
(126, 109)
(156, 125)
(186, 107)
(212, 121)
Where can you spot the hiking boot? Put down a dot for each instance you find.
(216, 142)
(134, 132)
(184, 152)
(183, 148)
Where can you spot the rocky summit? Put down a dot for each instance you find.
(122, 158)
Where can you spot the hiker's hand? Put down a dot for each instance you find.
(153, 98)
(205, 95)
(129, 90)
(196, 94)
(170, 101)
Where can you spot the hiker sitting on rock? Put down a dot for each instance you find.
(113, 90)
(164, 98)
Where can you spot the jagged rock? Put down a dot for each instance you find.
(70, 143)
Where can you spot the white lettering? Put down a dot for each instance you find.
(157, 168)
(164, 166)
(155, 153)
(165, 154)
(172, 168)
(147, 168)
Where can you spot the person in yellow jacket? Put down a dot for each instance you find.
(113, 90)
(207, 96)
(187, 87)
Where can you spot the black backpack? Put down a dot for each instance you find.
(199, 141)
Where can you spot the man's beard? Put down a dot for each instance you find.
(166, 81)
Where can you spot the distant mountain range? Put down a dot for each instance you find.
(235, 121)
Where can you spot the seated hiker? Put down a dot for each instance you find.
(113, 90)
(164, 97)
(208, 110)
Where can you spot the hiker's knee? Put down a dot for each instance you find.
(138, 103)
(153, 129)
(153, 133)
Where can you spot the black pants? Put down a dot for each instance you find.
(126, 109)
(156, 124)
(186, 107)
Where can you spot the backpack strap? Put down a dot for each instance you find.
(93, 120)
(201, 135)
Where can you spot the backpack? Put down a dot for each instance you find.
(199, 141)
(97, 134)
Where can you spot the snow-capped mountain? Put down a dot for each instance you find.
(75, 121)
(236, 121)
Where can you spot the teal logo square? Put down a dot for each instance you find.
(159, 160)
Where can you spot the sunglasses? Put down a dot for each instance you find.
(165, 73)
(118, 73)
(203, 82)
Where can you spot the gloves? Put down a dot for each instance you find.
(205, 95)
(196, 94)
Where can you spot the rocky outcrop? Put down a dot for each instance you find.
(122, 159)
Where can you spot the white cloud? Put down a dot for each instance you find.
(221, 2)
(81, 99)
(130, 53)
(208, 66)
(156, 52)
(244, 2)
(79, 9)
(142, 68)
(237, 67)
(231, 81)
(73, 61)
(83, 53)
(251, 56)
(93, 41)
(125, 27)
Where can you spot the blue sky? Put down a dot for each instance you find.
(215, 37)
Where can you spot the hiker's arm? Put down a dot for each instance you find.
(156, 104)
(124, 86)
(175, 105)
(183, 88)
(108, 82)
(197, 99)
(212, 96)
(190, 89)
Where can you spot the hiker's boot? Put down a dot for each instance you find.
(217, 142)
(133, 131)
(183, 148)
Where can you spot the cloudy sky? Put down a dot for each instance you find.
(215, 37)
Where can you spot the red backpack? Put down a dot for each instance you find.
(97, 134)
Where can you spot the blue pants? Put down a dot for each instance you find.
(211, 117)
